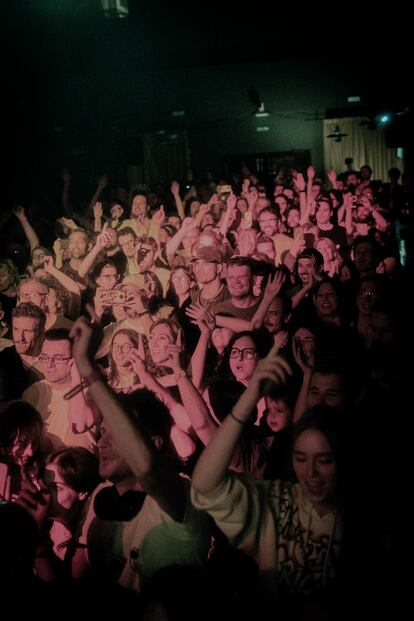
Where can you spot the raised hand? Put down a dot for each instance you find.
(304, 355)
(103, 181)
(195, 312)
(20, 213)
(103, 240)
(188, 224)
(310, 172)
(175, 187)
(48, 264)
(274, 284)
(300, 182)
(159, 216)
(97, 210)
(34, 496)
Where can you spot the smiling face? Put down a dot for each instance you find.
(121, 347)
(315, 468)
(139, 206)
(239, 281)
(305, 269)
(78, 244)
(26, 335)
(160, 338)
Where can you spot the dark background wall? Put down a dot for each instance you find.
(82, 90)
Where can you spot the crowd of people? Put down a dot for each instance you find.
(202, 395)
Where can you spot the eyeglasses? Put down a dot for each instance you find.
(125, 348)
(248, 353)
(267, 220)
(55, 359)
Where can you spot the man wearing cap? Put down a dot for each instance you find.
(207, 263)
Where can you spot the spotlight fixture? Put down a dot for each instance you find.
(337, 135)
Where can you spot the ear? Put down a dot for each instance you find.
(287, 318)
(158, 442)
(1, 314)
(219, 267)
(82, 495)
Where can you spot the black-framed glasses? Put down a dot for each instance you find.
(248, 353)
(125, 348)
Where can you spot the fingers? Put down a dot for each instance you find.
(94, 317)
(179, 341)
(141, 348)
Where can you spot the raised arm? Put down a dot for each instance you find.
(29, 231)
(102, 241)
(66, 281)
(175, 190)
(137, 448)
(216, 457)
(272, 289)
(173, 244)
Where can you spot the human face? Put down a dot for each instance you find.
(323, 213)
(293, 218)
(205, 271)
(117, 211)
(282, 203)
(306, 340)
(26, 335)
(139, 206)
(160, 339)
(364, 257)
(78, 245)
(194, 208)
(242, 205)
(5, 278)
(306, 268)
(56, 361)
(268, 223)
(127, 244)
(108, 277)
(63, 497)
(148, 257)
(326, 300)
(239, 281)
(111, 465)
(278, 414)
(240, 366)
(35, 292)
(181, 282)
(363, 213)
(24, 445)
(368, 296)
(121, 347)
(274, 319)
(315, 468)
(38, 257)
(327, 389)
(175, 221)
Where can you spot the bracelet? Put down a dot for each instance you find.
(302, 191)
(241, 422)
(86, 381)
(91, 378)
(143, 313)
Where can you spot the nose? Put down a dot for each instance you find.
(311, 469)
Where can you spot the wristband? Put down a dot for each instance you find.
(302, 191)
(86, 381)
(91, 378)
(241, 422)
